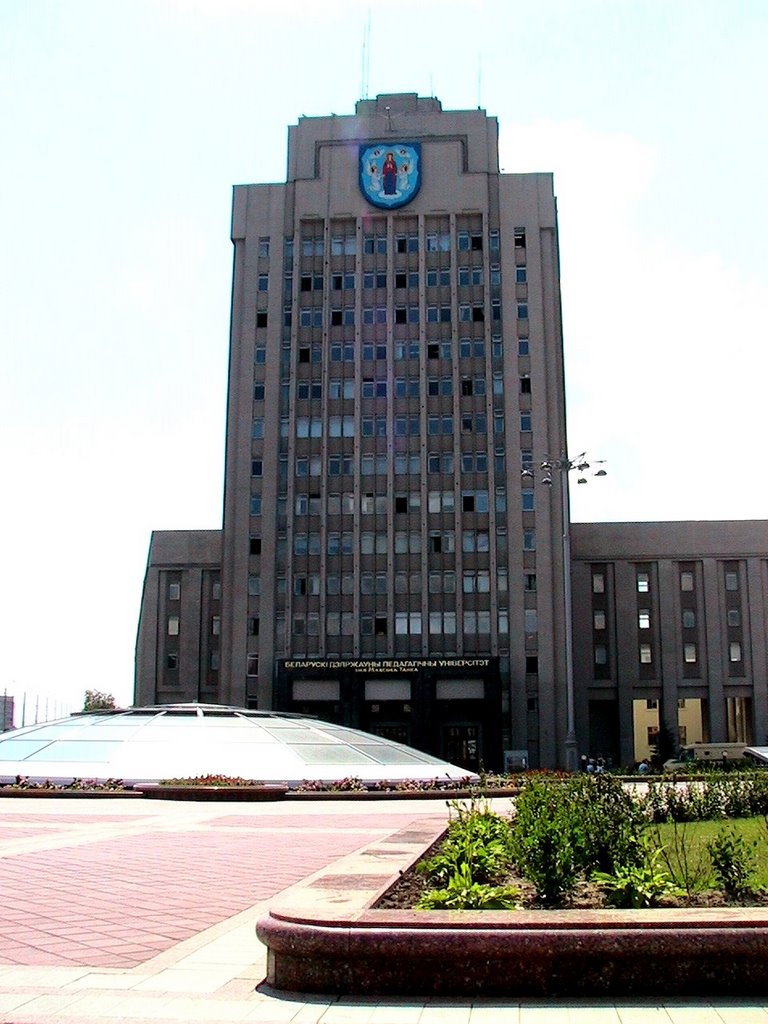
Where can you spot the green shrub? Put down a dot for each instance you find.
(478, 839)
(637, 885)
(461, 892)
(733, 861)
(718, 794)
(544, 844)
(607, 821)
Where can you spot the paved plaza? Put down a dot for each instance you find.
(126, 909)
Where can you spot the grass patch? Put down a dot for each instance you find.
(686, 855)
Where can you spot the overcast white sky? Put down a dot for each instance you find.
(124, 125)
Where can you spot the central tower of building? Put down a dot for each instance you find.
(395, 363)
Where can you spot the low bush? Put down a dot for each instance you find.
(462, 892)
(734, 862)
(607, 822)
(544, 843)
(741, 794)
(477, 841)
(638, 884)
(472, 859)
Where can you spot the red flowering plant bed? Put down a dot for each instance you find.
(23, 786)
(487, 784)
(212, 780)
(212, 787)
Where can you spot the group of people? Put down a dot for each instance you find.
(593, 765)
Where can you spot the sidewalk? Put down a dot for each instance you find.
(143, 911)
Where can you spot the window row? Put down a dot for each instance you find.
(435, 277)
(377, 244)
(345, 316)
(403, 463)
(473, 582)
(405, 623)
(382, 504)
(404, 542)
(690, 653)
(643, 582)
(377, 426)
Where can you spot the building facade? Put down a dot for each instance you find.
(670, 624)
(395, 359)
(387, 558)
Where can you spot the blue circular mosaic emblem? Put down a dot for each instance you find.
(390, 173)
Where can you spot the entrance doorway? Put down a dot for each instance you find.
(461, 746)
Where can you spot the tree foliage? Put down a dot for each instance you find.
(95, 700)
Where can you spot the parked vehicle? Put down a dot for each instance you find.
(695, 755)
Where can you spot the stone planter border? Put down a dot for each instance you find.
(251, 794)
(323, 936)
(70, 794)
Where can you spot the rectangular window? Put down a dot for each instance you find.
(734, 651)
(689, 654)
(598, 619)
(645, 654)
(598, 583)
(686, 581)
(731, 581)
(689, 618)
(174, 591)
(643, 619)
(173, 625)
(643, 582)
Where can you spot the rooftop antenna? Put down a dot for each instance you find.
(366, 68)
(479, 79)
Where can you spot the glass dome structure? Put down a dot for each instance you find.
(188, 740)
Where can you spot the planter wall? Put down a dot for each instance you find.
(239, 793)
(322, 936)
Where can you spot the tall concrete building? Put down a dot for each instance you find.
(395, 360)
(390, 557)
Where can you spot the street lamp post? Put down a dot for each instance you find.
(563, 466)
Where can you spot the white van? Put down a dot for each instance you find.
(719, 754)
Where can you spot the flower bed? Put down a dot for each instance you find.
(324, 936)
(335, 933)
(22, 787)
(212, 787)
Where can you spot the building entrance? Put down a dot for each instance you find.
(461, 745)
(448, 707)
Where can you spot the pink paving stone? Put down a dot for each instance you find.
(106, 903)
